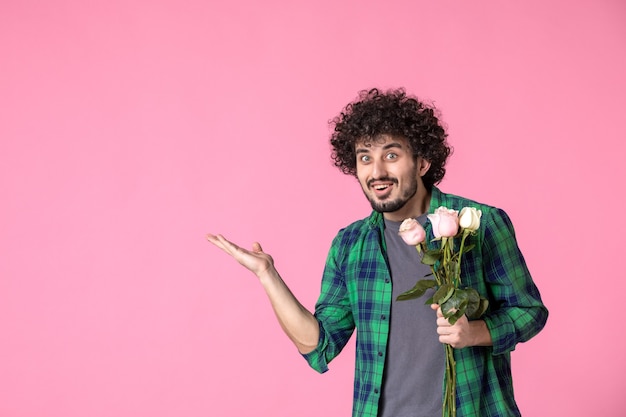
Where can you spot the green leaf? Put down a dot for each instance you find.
(418, 290)
(443, 293)
(484, 304)
(455, 303)
(454, 308)
(431, 257)
(453, 318)
(473, 302)
(476, 306)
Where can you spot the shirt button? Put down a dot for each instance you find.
(387, 280)
(376, 391)
(380, 353)
(382, 317)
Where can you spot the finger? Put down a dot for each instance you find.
(449, 340)
(443, 322)
(438, 308)
(224, 244)
(234, 250)
(215, 240)
(256, 247)
(443, 331)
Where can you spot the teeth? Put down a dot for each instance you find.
(381, 187)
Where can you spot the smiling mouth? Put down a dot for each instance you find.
(382, 187)
(382, 190)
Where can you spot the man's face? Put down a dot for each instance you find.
(389, 176)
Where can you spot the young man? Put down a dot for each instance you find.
(396, 148)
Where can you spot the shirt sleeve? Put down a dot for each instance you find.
(333, 312)
(516, 313)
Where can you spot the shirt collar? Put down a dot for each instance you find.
(436, 199)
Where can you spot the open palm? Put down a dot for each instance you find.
(255, 260)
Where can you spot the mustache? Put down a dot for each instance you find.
(387, 179)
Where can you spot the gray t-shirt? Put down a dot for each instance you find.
(415, 362)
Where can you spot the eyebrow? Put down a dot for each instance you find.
(387, 146)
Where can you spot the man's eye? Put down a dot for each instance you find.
(392, 156)
(365, 158)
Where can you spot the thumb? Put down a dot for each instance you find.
(437, 308)
(256, 247)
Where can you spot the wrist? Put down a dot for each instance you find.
(268, 277)
(480, 333)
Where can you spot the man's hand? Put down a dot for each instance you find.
(255, 260)
(463, 333)
(298, 323)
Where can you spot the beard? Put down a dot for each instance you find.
(389, 206)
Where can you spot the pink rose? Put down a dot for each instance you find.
(412, 232)
(445, 222)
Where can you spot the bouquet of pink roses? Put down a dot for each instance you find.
(454, 300)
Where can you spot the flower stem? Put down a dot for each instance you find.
(447, 245)
(458, 278)
(449, 402)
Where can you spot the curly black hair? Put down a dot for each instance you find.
(376, 113)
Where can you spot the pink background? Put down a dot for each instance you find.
(129, 129)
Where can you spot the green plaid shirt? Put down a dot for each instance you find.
(356, 293)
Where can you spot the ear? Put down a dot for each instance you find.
(422, 166)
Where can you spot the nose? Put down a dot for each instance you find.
(378, 169)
